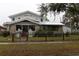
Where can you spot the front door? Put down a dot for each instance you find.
(25, 28)
(24, 34)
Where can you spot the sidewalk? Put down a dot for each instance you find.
(39, 42)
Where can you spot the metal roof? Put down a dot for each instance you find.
(50, 23)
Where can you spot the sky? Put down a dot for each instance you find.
(10, 7)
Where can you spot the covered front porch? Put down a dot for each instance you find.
(24, 26)
(26, 29)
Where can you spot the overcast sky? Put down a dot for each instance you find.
(10, 7)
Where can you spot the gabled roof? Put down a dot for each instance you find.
(30, 20)
(26, 12)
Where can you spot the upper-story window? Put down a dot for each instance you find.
(19, 18)
(13, 19)
(41, 20)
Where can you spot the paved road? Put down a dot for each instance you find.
(39, 42)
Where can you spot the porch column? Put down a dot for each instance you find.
(21, 27)
(21, 33)
(27, 33)
(12, 31)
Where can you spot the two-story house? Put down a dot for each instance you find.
(29, 21)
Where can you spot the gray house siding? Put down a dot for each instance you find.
(66, 29)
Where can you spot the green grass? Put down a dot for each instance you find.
(66, 38)
(72, 37)
(58, 38)
(45, 38)
(5, 39)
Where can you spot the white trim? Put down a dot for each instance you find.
(13, 22)
(36, 22)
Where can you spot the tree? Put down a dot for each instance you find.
(55, 8)
(71, 11)
(43, 10)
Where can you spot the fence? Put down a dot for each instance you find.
(40, 37)
(48, 36)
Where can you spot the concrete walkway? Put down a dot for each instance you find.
(39, 42)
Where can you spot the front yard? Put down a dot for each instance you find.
(54, 48)
(40, 49)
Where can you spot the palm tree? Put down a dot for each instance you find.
(43, 10)
(56, 8)
(71, 11)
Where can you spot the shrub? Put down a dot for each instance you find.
(1, 33)
(43, 33)
(67, 34)
(5, 33)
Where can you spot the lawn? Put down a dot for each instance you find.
(58, 38)
(43, 49)
(5, 39)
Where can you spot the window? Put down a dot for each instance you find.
(13, 19)
(18, 27)
(41, 20)
(25, 28)
(50, 28)
(32, 27)
(19, 18)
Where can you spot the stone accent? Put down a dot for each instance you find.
(12, 28)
